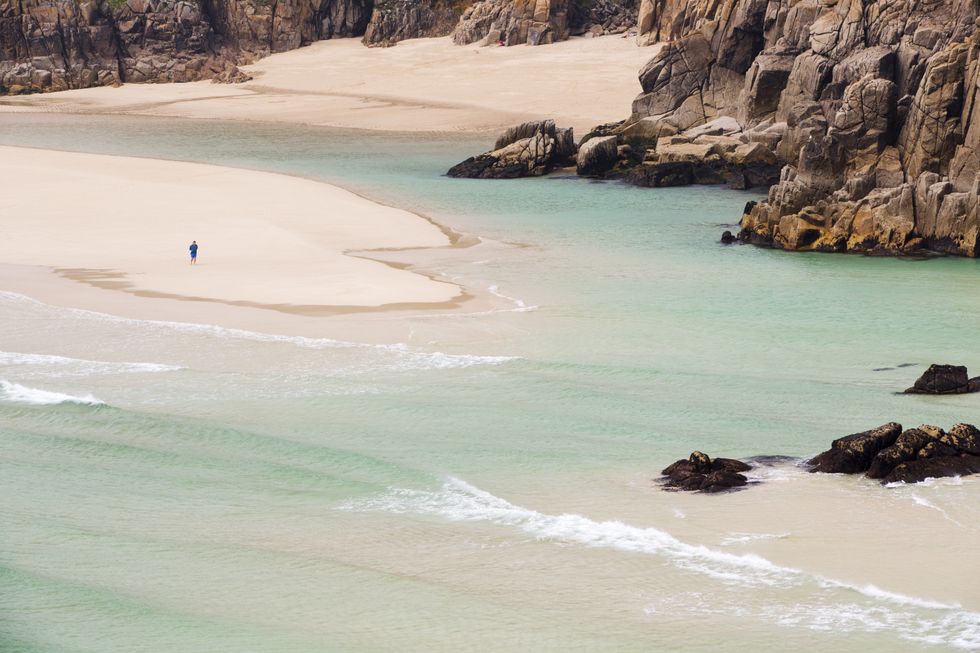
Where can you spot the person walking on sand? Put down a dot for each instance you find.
(193, 249)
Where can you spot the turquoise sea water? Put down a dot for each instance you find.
(201, 489)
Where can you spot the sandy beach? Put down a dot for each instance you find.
(267, 240)
(418, 85)
(273, 241)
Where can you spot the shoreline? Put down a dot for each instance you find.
(420, 85)
(82, 221)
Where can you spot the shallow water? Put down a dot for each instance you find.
(487, 484)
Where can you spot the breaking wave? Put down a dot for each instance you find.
(22, 394)
(863, 606)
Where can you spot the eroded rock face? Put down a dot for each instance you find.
(512, 22)
(51, 45)
(597, 156)
(870, 107)
(892, 455)
(699, 473)
(397, 20)
(526, 150)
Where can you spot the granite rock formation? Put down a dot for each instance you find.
(530, 149)
(512, 22)
(699, 473)
(601, 17)
(868, 106)
(51, 45)
(945, 380)
(397, 20)
(890, 454)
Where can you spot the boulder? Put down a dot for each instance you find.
(699, 473)
(964, 438)
(916, 471)
(529, 149)
(906, 447)
(944, 380)
(910, 456)
(597, 156)
(853, 454)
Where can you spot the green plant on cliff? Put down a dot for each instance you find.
(115, 5)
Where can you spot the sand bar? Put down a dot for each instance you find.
(267, 240)
(418, 85)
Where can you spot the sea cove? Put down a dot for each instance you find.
(479, 478)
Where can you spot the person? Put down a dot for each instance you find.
(193, 249)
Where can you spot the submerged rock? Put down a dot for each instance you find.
(892, 455)
(945, 380)
(699, 473)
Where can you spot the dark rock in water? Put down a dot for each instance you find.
(699, 473)
(728, 238)
(909, 456)
(919, 470)
(945, 380)
(964, 438)
(527, 150)
(906, 448)
(854, 453)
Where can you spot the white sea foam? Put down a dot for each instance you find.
(519, 305)
(55, 366)
(460, 501)
(742, 538)
(908, 617)
(21, 394)
(925, 503)
(404, 357)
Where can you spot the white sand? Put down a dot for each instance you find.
(418, 85)
(265, 238)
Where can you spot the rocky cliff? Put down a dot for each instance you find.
(869, 105)
(397, 20)
(48, 45)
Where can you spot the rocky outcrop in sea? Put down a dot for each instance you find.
(890, 454)
(700, 473)
(530, 149)
(867, 106)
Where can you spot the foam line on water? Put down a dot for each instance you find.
(457, 500)
(22, 394)
(410, 358)
(742, 538)
(62, 364)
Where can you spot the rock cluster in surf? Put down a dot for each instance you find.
(700, 473)
(890, 454)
